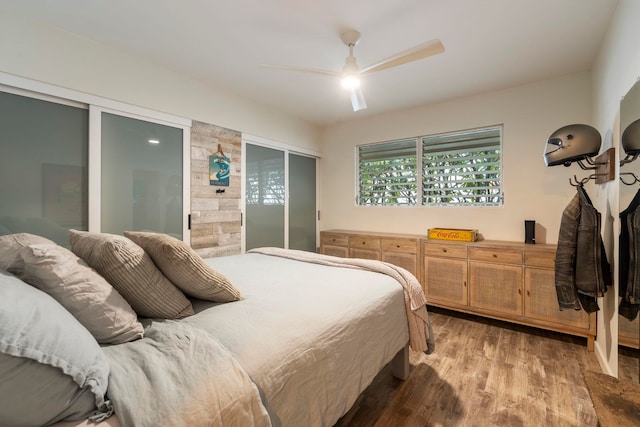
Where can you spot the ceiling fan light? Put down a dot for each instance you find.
(350, 82)
(357, 100)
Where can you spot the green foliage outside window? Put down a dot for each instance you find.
(456, 169)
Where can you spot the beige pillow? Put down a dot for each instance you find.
(130, 270)
(184, 267)
(83, 292)
(10, 247)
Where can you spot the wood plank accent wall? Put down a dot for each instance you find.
(215, 217)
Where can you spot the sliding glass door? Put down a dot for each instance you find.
(43, 166)
(142, 176)
(302, 203)
(280, 199)
(66, 164)
(265, 197)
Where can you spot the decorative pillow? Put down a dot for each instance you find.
(10, 247)
(83, 292)
(184, 267)
(132, 273)
(51, 368)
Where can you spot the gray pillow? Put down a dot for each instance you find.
(131, 272)
(51, 368)
(184, 267)
(10, 247)
(83, 292)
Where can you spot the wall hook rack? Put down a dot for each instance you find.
(628, 159)
(634, 178)
(589, 160)
(605, 166)
(575, 182)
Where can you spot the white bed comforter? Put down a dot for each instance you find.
(297, 350)
(420, 333)
(312, 337)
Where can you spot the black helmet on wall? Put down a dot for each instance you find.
(572, 143)
(631, 138)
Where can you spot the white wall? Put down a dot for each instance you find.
(529, 113)
(617, 68)
(46, 54)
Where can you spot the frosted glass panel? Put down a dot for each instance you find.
(141, 180)
(43, 167)
(302, 203)
(264, 197)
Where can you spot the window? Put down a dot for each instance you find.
(387, 173)
(453, 169)
(462, 168)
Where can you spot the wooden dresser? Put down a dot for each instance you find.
(628, 332)
(399, 249)
(503, 280)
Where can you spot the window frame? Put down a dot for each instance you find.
(468, 142)
(421, 178)
(377, 147)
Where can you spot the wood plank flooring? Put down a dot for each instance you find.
(484, 373)
(628, 368)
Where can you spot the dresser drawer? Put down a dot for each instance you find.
(447, 251)
(539, 258)
(364, 242)
(499, 255)
(399, 245)
(335, 239)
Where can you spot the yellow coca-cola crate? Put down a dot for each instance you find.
(456, 234)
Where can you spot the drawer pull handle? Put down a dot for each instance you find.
(397, 246)
(495, 255)
(444, 250)
(528, 293)
(519, 291)
(333, 240)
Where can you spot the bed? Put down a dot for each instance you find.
(307, 336)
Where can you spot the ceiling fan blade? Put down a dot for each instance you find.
(303, 70)
(430, 48)
(357, 100)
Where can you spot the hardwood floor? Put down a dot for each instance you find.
(628, 366)
(484, 373)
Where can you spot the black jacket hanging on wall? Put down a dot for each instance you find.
(629, 271)
(582, 271)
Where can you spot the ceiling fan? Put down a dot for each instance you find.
(350, 72)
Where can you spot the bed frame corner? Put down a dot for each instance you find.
(400, 363)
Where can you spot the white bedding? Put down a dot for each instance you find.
(415, 303)
(311, 337)
(177, 376)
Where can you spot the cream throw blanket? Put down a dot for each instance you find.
(420, 333)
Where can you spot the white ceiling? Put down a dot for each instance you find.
(489, 44)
